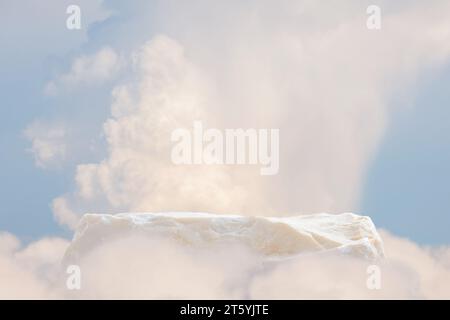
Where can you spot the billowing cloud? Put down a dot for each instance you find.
(48, 143)
(167, 92)
(408, 272)
(152, 268)
(30, 272)
(87, 70)
(326, 85)
(63, 214)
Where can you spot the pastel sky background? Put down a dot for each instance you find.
(404, 182)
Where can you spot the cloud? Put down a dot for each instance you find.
(29, 273)
(428, 267)
(408, 272)
(316, 74)
(155, 268)
(48, 144)
(87, 70)
(166, 92)
(63, 214)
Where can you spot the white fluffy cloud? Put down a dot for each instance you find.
(145, 268)
(63, 214)
(408, 272)
(326, 85)
(87, 70)
(48, 144)
(30, 272)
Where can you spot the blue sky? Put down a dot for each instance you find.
(407, 185)
(405, 188)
